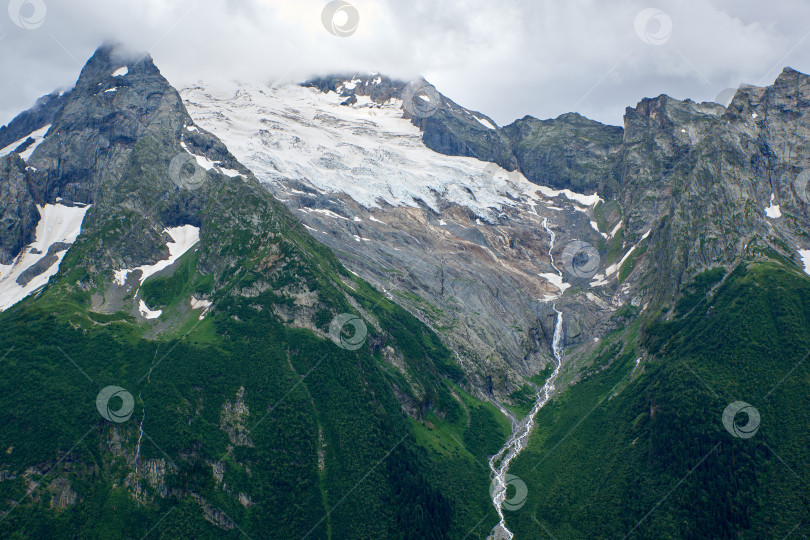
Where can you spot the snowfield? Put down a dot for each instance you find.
(58, 223)
(367, 150)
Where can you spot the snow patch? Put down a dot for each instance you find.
(183, 239)
(599, 280)
(148, 313)
(120, 72)
(556, 280)
(229, 172)
(596, 228)
(586, 200)
(610, 270)
(111, 90)
(58, 223)
(202, 161)
(805, 255)
(38, 136)
(200, 303)
(484, 122)
(372, 218)
(324, 212)
(773, 210)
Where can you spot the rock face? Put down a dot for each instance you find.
(569, 152)
(459, 241)
(702, 177)
(18, 210)
(683, 188)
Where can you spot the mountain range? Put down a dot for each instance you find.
(320, 309)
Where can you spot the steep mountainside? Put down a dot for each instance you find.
(459, 241)
(196, 364)
(699, 223)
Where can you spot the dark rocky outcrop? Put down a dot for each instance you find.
(42, 265)
(18, 210)
(569, 152)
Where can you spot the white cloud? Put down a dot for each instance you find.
(506, 59)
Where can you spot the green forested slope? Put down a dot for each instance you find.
(642, 452)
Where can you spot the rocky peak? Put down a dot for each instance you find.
(110, 62)
(792, 84)
(373, 85)
(567, 152)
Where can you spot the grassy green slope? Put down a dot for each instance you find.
(641, 452)
(375, 481)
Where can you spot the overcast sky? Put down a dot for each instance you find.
(505, 58)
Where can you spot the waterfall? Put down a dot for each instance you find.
(499, 463)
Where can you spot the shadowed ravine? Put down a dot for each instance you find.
(499, 463)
